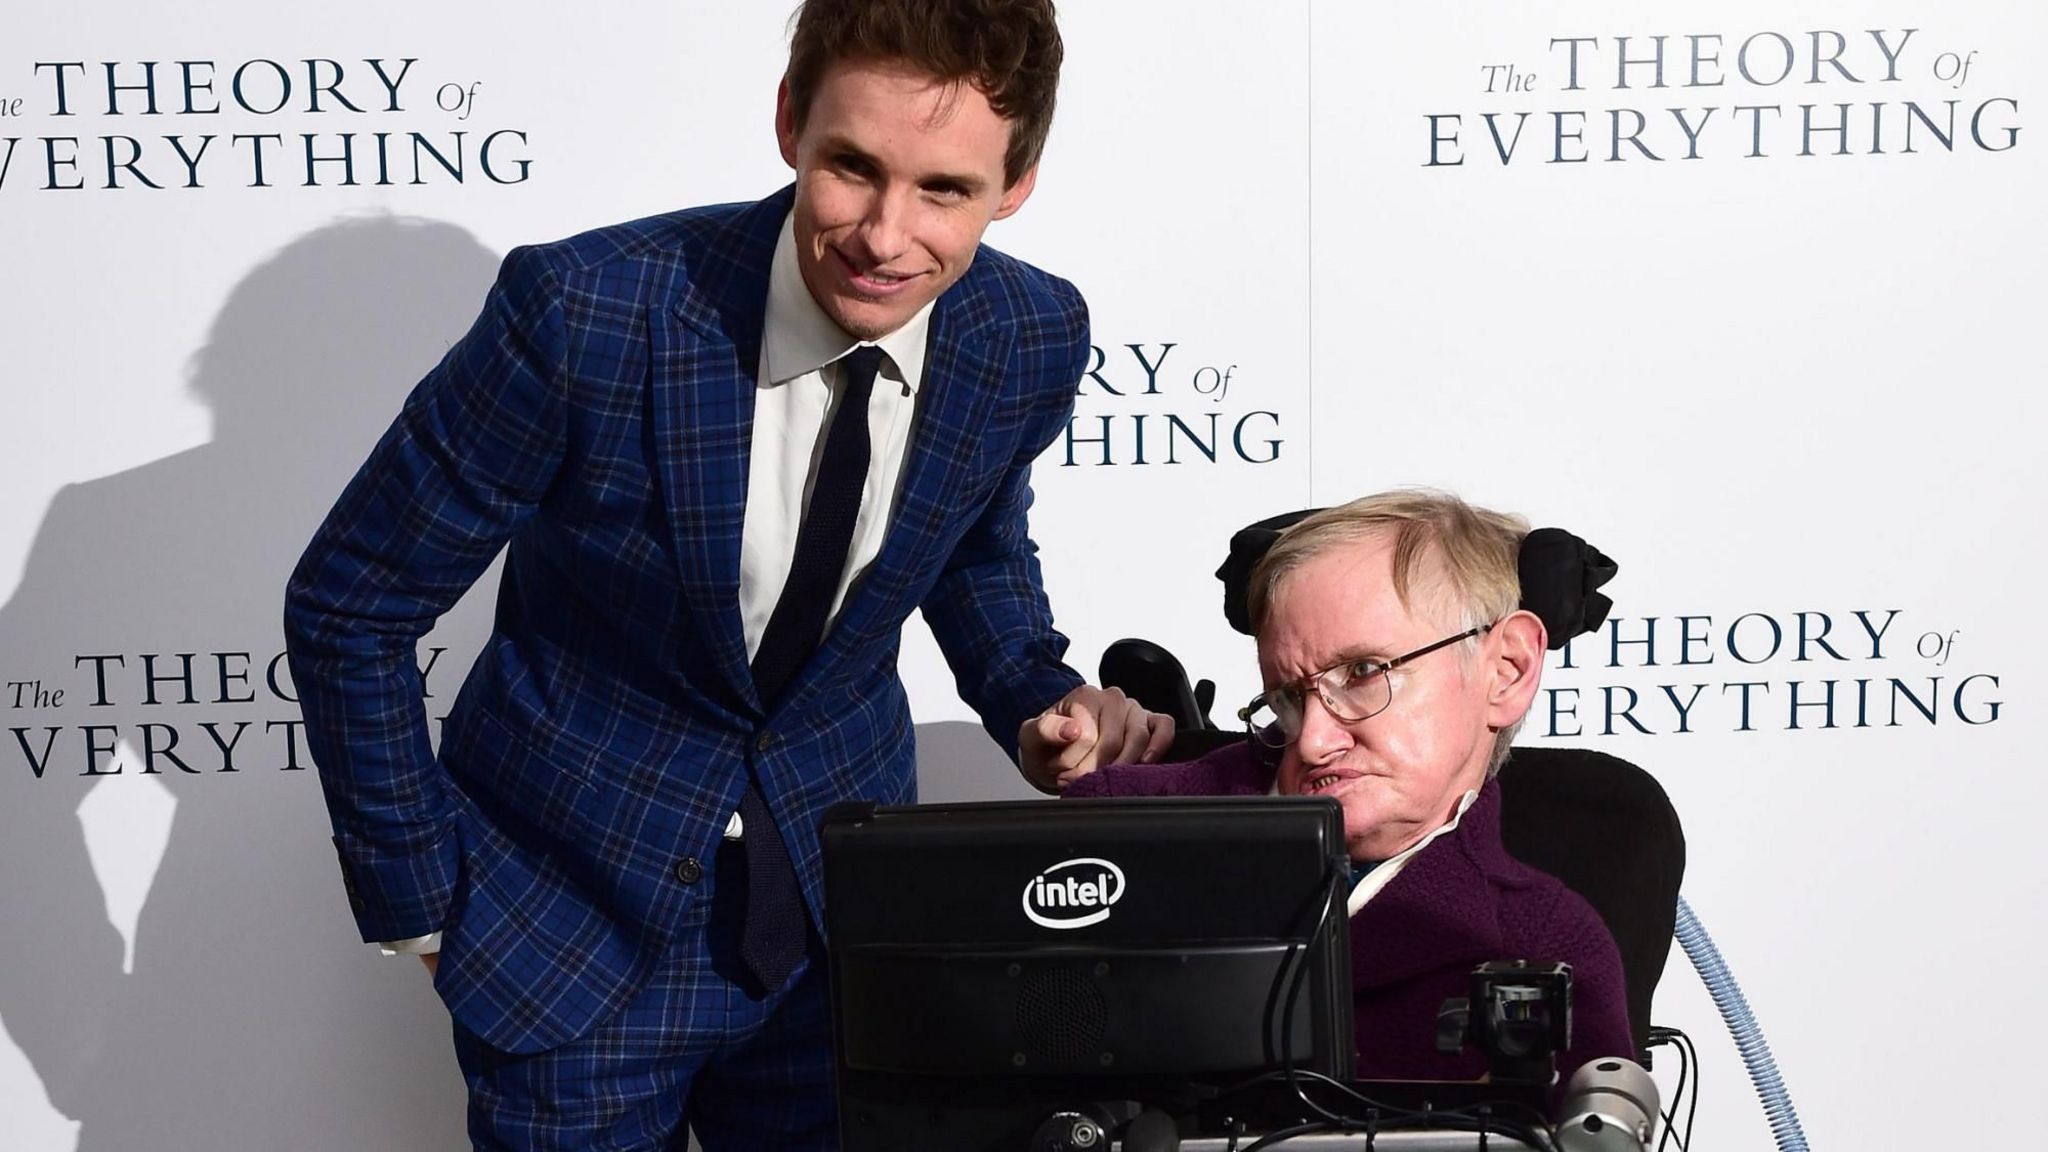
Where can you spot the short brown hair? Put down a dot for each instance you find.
(1008, 49)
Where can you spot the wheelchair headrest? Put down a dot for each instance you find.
(1560, 574)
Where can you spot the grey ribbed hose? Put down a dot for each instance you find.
(1742, 1024)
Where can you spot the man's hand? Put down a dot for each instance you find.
(433, 962)
(1088, 728)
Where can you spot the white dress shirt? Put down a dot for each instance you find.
(793, 407)
(797, 392)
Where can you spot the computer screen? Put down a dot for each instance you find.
(991, 963)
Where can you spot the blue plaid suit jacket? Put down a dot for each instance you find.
(595, 424)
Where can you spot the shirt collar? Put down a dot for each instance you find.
(798, 337)
(1381, 875)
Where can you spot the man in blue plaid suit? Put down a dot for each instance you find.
(651, 421)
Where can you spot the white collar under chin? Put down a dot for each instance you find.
(1370, 884)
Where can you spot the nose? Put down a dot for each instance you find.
(884, 228)
(1323, 737)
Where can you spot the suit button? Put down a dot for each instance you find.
(689, 871)
(764, 742)
(358, 904)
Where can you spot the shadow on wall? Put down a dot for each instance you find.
(253, 1018)
(956, 761)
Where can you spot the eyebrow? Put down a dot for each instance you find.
(1361, 655)
(1348, 656)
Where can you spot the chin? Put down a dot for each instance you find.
(865, 321)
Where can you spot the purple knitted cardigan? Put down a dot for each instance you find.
(1458, 903)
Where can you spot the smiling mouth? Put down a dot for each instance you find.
(873, 281)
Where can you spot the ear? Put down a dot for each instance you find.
(1515, 669)
(785, 124)
(1015, 195)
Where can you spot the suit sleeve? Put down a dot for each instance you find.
(988, 610)
(468, 459)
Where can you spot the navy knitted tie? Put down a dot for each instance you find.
(772, 933)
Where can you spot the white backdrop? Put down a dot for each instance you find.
(1775, 387)
(1795, 395)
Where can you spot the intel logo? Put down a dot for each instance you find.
(1073, 893)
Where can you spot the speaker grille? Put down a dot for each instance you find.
(1061, 1015)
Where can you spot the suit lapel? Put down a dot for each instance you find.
(706, 355)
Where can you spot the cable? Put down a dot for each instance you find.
(1660, 1037)
(1669, 1124)
(1698, 1074)
(1332, 898)
(1400, 1114)
(1742, 1024)
(1686, 1053)
(1332, 894)
(1295, 957)
(1276, 1136)
(1668, 1036)
(1533, 1138)
(1488, 1116)
(1684, 1069)
(1477, 1117)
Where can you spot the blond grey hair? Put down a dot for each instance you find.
(1455, 560)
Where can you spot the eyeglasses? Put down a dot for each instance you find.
(1352, 691)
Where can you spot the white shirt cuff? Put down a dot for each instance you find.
(417, 946)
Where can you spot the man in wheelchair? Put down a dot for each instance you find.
(1398, 663)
